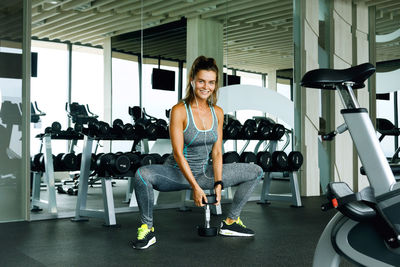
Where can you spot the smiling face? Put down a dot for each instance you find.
(204, 84)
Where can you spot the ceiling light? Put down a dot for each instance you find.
(39, 23)
(83, 7)
(206, 9)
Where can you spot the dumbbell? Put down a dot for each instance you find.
(95, 128)
(161, 128)
(147, 159)
(121, 129)
(164, 157)
(55, 128)
(295, 160)
(38, 162)
(230, 157)
(65, 162)
(248, 157)
(72, 191)
(264, 160)
(134, 160)
(248, 129)
(112, 164)
(207, 230)
(141, 125)
(279, 161)
(231, 127)
(267, 129)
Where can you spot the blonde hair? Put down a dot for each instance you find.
(201, 63)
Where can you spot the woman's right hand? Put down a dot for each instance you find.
(199, 196)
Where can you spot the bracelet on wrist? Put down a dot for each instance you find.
(219, 183)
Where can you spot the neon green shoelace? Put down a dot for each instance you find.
(142, 232)
(239, 221)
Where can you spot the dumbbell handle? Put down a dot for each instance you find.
(207, 216)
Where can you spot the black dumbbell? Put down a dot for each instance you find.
(206, 229)
(95, 128)
(65, 162)
(121, 129)
(231, 157)
(147, 159)
(264, 129)
(162, 128)
(248, 157)
(279, 161)
(72, 191)
(141, 125)
(36, 163)
(55, 128)
(231, 127)
(264, 160)
(248, 129)
(164, 157)
(110, 164)
(157, 157)
(295, 160)
(134, 160)
(267, 129)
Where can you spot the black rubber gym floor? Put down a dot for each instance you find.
(285, 236)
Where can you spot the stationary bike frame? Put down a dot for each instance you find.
(379, 175)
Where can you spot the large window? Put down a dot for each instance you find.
(49, 90)
(87, 78)
(125, 92)
(250, 78)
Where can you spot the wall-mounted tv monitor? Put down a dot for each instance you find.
(11, 65)
(163, 79)
(232, 79)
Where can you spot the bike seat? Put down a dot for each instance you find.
(329, 78)
(354, 209)
(386, 127)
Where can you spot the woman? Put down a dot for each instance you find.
(195, 131)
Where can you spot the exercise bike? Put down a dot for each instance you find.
(366, 229)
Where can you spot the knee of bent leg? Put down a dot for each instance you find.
(140, 176)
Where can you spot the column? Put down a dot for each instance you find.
(107, 54)
(204, 37)
(307, 101)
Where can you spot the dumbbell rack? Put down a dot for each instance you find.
(109, 210)
(266, 195)
(48, 173)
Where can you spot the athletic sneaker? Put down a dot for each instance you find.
(145, 238)
(236, 228)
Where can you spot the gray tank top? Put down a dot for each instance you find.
(197, 143)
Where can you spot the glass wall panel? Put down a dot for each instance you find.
(50, 91)
(12, 184)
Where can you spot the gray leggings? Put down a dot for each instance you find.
(167, 178)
